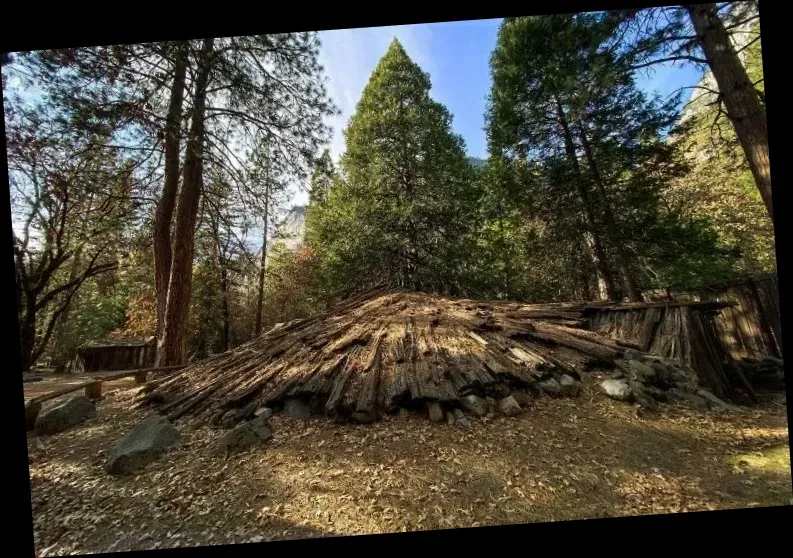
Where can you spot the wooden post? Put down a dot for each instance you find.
(32, 409)
(140, 377)
(94, 390)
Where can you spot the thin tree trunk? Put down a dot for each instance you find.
(260, 297)
(592, 235)
(177, 312)
(222, 263)
(741, 101)
(27, 335)
(611, 225)
(164, 213)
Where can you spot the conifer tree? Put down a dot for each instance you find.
(401, 210)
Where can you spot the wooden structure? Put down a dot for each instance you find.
(92, 388)
(684, 331)
(387, 348)
(109, 355)
(751, 326)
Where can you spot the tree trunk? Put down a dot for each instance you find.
(592, 235)
(165, 207)
(177, 311)
(741, 101)
(260, 297)
(27, 336)
(611, 225)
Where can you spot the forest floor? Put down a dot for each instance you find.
(561, 459)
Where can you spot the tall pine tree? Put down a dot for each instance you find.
(401, 210)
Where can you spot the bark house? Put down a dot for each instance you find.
(386, 349)
(107, 355)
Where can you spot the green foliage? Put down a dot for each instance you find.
(401, 210)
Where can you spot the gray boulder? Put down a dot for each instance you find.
(716, 403)
(617, 389)
(245, 436)
(297, 409)
(450, 418)
(521, 397)
(692, 399)
(632, 354)
(569, 386)
(144, 444)
(264, 412)
(64, 414)
(508, 406)
(635, 370)
(458, 414)
(475, 405)
(435, 411)
(463, 422)
(550, 386)
(499, 390)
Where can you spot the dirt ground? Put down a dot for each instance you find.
(561, 459)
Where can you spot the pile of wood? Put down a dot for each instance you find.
(387, 349)
(683, 331)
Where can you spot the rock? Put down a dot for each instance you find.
(694, 400)
(655, 393)
(641, 396)
(64, 414)
(245, 436)
(265, 412)
(435, 411)
(475, 405)
(551, 386)
(491, 403)
(632, 354)
(230, 418)
(458, 414)
(297, 409)
(635, 370)
(569, 386)
(508, 406)
(499, 390)
(521, 397)
(662, 377)
(450, 418)
(716, 403)
(142, 445)
(463, 422)
(617, 389)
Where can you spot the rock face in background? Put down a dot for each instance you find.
(291, 229)
(144, 444)
(64, 414)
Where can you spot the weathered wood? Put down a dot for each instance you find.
(94, 390)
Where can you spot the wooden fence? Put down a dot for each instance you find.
(114, 355)
(751, 326)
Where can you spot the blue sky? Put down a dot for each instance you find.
(456, 55)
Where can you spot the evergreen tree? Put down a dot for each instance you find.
(401, 211)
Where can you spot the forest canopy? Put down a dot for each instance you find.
(152, 184)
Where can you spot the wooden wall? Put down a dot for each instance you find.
(751, 328)
(114, 357)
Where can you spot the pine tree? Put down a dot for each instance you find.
(401, 210)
